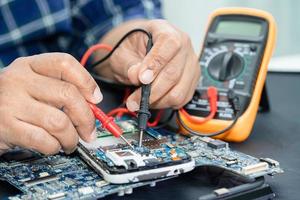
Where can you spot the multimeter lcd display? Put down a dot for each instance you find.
(243, 28)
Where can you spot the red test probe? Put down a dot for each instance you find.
(107, 122)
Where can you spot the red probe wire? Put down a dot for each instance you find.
(120, 111)
(91, 50)
(212, 94)
(106, 121)
(157, 119)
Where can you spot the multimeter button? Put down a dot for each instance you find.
(203, 102)
(253, 47)
(239, 85)
(224, 115)
(222, 98)
(223, 104)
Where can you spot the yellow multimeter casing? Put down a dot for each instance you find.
(238, 45)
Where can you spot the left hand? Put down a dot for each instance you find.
(171, 66)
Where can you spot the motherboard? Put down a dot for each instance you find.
(56, 177)
(120, 163)
(70, 177)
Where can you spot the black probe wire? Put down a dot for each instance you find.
(90, 67)
(236, 107)
(197, 133)
(97, 77)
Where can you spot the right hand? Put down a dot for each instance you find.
(43, 103)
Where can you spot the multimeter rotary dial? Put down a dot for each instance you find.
(225, 66)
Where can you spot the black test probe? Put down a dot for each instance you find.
(143, 113)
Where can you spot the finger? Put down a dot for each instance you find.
(165, 81)
(52, 120)
(29, 136)
(168, 77)
(193, 63)
(160, 86)
(165, 47)
(192, 88)
(123, 62)
(65, 96)
(188, 97)
(133, 74)
(180, 93)
(133, 101)
(64, 67)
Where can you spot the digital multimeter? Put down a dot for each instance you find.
(236, 52)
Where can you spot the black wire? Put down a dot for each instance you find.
(196, 133)
(90, 67)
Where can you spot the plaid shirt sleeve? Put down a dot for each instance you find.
(37, 26)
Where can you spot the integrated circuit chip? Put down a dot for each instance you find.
(216, 144)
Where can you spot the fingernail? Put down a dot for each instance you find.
(147, 76)
(97, 95)
(74, 149)
(132, 106)
(93, 135)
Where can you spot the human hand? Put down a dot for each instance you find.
(43, 103)
(171, 66)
